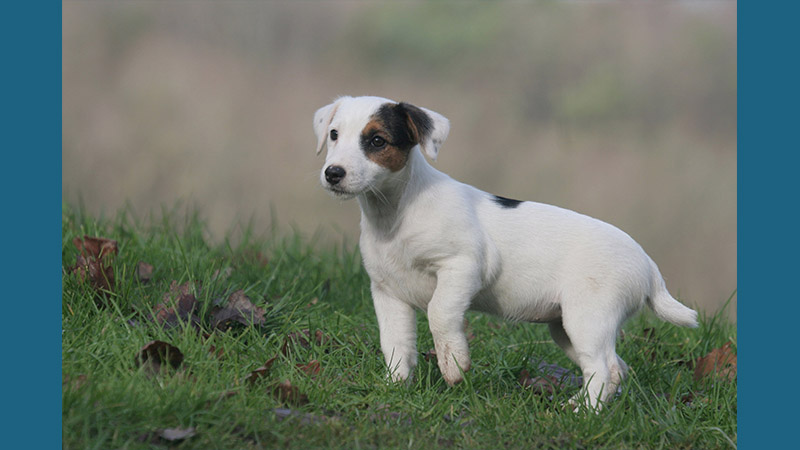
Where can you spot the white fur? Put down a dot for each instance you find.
(432, 243)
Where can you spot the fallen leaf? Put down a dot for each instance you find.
(312, 368)
(144, 272)
(218, 352)
(178, 305)
(100, 276)
(176, 434)
(543, 385)
(719, 362)
(239, 309)
(157, 354)
(187, 288)
(288, 393)
(549, 379)
(90, 262)
(95, 247)
(261, 371)
(564, 376)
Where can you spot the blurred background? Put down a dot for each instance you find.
(625, 111)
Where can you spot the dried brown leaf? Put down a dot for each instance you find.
(187, 288)
(565, 377)
(179, 304)
(312, 368)
(542, 385)
(239, 309)
(90, 262)
(288, 393)
(182, 311)
(156, 355)
(144, 272)
(95, 247)
(218, 352)
(719, 362)
(261, 371)
(100, 276)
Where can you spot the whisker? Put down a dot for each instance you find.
(379, 195)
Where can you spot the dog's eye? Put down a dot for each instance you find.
(378, 142)
(334, 135)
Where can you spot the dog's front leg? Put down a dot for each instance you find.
(398, 329)
(451, 299)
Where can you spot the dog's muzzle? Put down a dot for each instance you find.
(334, 174)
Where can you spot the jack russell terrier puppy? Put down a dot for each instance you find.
(436, 244)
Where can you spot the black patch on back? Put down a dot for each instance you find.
(506, 202)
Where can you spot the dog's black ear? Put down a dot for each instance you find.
(427, 128)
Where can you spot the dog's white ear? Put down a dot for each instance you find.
(322, 119)
(428, 127)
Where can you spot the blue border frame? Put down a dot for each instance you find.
(768, 230)
(767, 106)
(31, 121)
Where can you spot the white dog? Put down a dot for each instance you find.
(432, 243)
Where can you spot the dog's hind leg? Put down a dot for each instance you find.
(593, 345)
(619, 371)
(560, 337)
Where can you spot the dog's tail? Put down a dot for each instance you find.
(666, 307)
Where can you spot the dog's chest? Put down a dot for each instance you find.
(399, 271)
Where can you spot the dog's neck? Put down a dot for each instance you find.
(382, 207)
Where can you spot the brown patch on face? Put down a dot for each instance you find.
(390, 155)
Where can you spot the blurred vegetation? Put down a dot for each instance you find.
(577, 75)
(625, 111)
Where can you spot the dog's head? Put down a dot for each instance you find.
(370, 138)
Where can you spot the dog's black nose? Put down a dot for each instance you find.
(334, 174)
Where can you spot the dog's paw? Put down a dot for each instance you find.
(401, 373)
(453, 365)
(581, 403)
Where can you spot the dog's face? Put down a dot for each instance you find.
(370, 138)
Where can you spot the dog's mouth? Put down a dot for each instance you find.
(339, 192)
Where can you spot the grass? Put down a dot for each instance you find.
(110, 402)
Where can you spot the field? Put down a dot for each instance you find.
(624, 111)
(171, 340)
